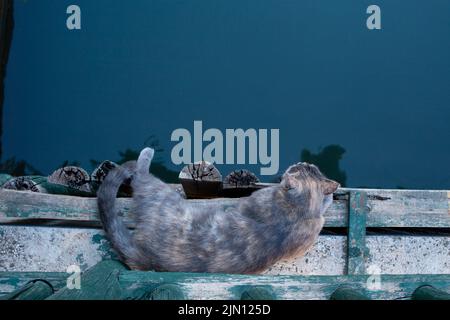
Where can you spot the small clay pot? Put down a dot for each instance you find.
(195, 189)
(201, 180)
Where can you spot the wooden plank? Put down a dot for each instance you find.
(165, 291)
(258, 293)
(387, 208)
(407, 208)
(22, 247)
(36, 289)
(347, 293)
(98, 283)
(428, 292)
(11, 281)
(226, 286)
(19, 207)
(356, 240)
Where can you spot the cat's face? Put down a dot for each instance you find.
(304, 178)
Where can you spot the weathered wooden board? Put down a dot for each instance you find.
(225, 286)
(407, 208)
(101, 282)
(356, 241)
(10, 281)
(25, 248)
(428, 292)
(20, 207)
(386, 208)
(221, 286)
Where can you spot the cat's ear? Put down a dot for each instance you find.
(329, 186)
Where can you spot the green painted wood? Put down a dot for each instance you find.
(98, 283)
(407, 208)
(33, 290)
(58, 189)
(165, 291)
(346, 293)
(19, 206)
(223, 286)
(52, 249)
(388, 208)
(45, 186)
(226, 286)
(356, 239)
(257, 293)
(428, 292)
(4, 178)
(11, 281)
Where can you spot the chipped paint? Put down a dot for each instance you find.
(49, 249)
(54, 249)
(226, 286)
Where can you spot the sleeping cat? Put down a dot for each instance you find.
(174, 234)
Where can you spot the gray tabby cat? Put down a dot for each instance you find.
(173, 234)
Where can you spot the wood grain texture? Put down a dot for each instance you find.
(387, 208)
(347, 293)
(356, 241)
(20, 207)
(428, 292)
(37, 289)
(98, 283)
(4, 178)
(225, 286)
(11, 281)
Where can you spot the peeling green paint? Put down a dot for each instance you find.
(97, 238)
(81, 262)
(357, 250)
(104, 246)
(228, 286)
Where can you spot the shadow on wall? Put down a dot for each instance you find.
(157, 167)
(327, 160)
(17, 168)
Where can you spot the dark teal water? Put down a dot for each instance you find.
(137, 70)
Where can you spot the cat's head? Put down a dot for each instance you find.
(304, 178)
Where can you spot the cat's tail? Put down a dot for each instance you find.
(116, 231)
(144, 160)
